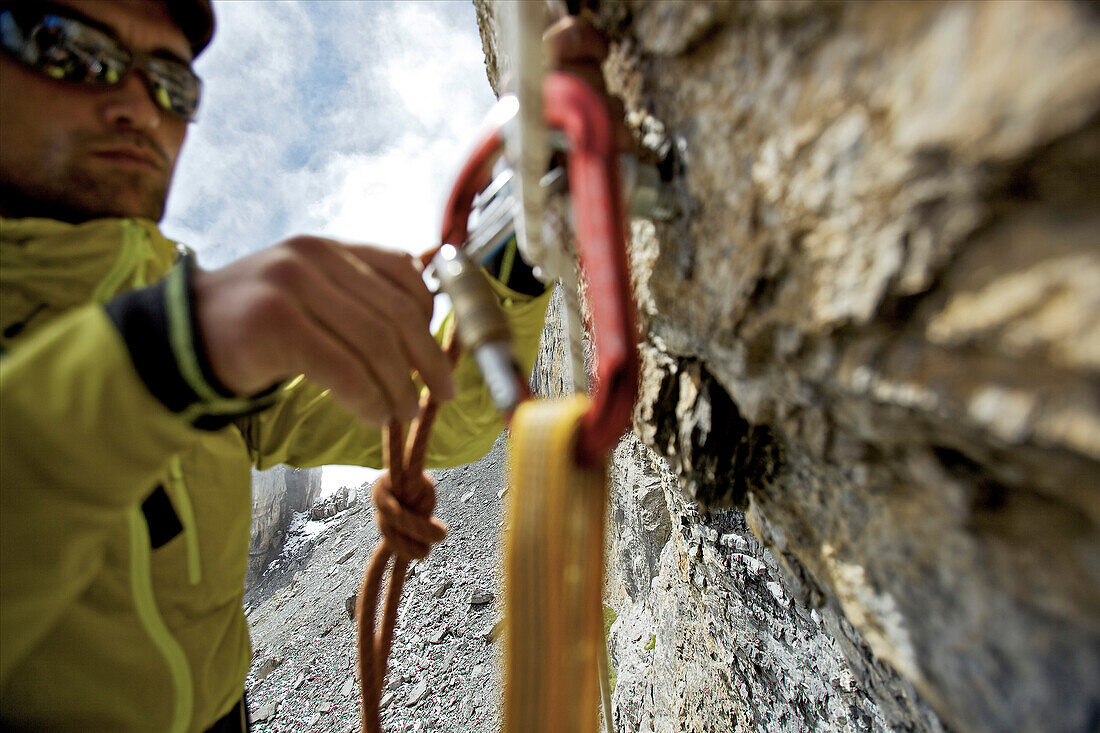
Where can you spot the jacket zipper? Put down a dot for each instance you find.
(181, 499)
(141, 587)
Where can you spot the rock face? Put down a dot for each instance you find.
(277, 494)
(863, 487)
(710, 638)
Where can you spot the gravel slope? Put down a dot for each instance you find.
(445, 665)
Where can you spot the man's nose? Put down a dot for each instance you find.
(129, 106)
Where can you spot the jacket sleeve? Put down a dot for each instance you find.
(93, 404)
(307, 428)
(81, 441)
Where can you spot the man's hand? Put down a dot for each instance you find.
(352, 318)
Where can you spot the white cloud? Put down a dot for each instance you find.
(343, 119)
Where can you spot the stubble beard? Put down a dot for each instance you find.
(70, 190)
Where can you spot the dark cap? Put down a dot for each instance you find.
(196, 19)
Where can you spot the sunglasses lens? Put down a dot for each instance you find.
(174, 87)
(68, 50)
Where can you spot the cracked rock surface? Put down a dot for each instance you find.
(444, 672)
(871, 351)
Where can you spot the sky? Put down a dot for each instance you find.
(343, 119)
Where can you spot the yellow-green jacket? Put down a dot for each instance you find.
(99, 629)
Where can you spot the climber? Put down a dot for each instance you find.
(137, 389)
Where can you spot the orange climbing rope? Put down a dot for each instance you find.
(405, 482)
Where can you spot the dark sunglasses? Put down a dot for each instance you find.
(68, 50)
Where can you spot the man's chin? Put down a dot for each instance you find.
(77, 202)
(78, 212)
(128, 193)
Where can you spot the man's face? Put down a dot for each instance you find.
(75, 152)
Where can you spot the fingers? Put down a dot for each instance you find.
(352, 318)
(392, 288)
(372, 339)
(399, 268)
(332, 363)
(255, 333)
(381, 315)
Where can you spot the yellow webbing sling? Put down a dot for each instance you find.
(555, 574)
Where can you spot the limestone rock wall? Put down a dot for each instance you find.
(277, 494)
(864, 486)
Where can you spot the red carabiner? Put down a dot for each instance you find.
(571, 106)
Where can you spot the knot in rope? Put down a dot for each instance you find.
(404, 498)
(404, 514)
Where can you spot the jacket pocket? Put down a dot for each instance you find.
(161, 518)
